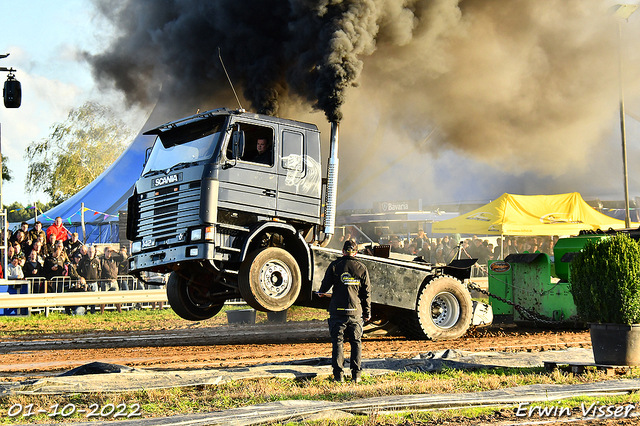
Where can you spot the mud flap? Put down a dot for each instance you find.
(482, 314)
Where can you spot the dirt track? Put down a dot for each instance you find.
(228, 346)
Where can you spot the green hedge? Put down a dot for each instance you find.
(605, 281)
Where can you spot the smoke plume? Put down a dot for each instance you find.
(533, 84)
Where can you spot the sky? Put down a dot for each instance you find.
(44, 39)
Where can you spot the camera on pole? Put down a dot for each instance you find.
(12, 92)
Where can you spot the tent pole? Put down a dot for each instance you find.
(84, 234)
(502, 246)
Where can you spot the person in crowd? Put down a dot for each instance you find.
(265, 154)
(14, 270)
(76, 283)
(394, 242)
(91, 269)
(50, 245)
(411, 249)
(37, 248)
(36, 232)
(519, 248)
(54, 267)
(420, 240)
(123, 269)
(464, 250)
(425, 252)
(350, 305)
(72, 244)
(21, 240)
(58, 230)
(496, 250)
(449, 249)
(74, 270)
(64, 255)
(33, 266)
(84, 250)
(439, 252)
(11, 251)
(24, 230)
(155, 281)
(109, 275)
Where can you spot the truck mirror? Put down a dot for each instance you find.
(237, 144)
(147, 154)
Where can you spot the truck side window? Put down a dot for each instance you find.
(292, 151)
(258, 144)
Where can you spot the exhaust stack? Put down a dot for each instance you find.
(332, 186)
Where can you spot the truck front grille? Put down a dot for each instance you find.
(166, 214)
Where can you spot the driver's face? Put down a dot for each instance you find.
(261, 146)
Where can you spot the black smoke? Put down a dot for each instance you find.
(519, 84)
(273, 50)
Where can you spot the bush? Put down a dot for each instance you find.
(605, 281)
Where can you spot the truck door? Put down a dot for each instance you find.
(299, 175)
(250, 184)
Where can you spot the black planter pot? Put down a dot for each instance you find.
(616, 344)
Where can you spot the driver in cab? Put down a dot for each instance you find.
(265, 153)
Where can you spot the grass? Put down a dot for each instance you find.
(133, 320)
(199, 399)
(155, 403)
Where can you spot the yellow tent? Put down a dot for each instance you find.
(561, 214)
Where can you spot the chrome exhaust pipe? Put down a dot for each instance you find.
(332, 187)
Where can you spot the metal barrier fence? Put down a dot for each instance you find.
(35, 295)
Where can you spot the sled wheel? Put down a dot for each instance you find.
(186, 299)
(269, 280)
(443, 311)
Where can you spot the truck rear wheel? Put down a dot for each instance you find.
(443, 311)
(269, 279)
(187, 300)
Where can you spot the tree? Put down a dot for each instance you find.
(17, 213)
(76, 152)
(6, 173)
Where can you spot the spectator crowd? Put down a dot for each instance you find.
(55, 253)
(444, 250)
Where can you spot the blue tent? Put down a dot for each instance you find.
(105, 197)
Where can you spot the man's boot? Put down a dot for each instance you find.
(356, 376)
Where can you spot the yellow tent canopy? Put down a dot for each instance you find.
(561, 214)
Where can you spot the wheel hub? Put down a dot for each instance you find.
(275, 279)
(445, 310)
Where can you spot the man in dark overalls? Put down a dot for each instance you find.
(350, 304)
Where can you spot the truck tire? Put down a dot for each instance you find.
(444, 310)
(269, 280)
(186, 302)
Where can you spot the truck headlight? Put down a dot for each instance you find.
(136, 247)
(196, 234)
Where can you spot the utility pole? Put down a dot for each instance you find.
(12, 95)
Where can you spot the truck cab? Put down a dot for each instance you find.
(207, 199)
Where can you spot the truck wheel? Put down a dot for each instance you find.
(443, 311)
(269, 280)
(187, 301)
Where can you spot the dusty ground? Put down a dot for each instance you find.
(226, 346)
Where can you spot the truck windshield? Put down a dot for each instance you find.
(173, 150)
